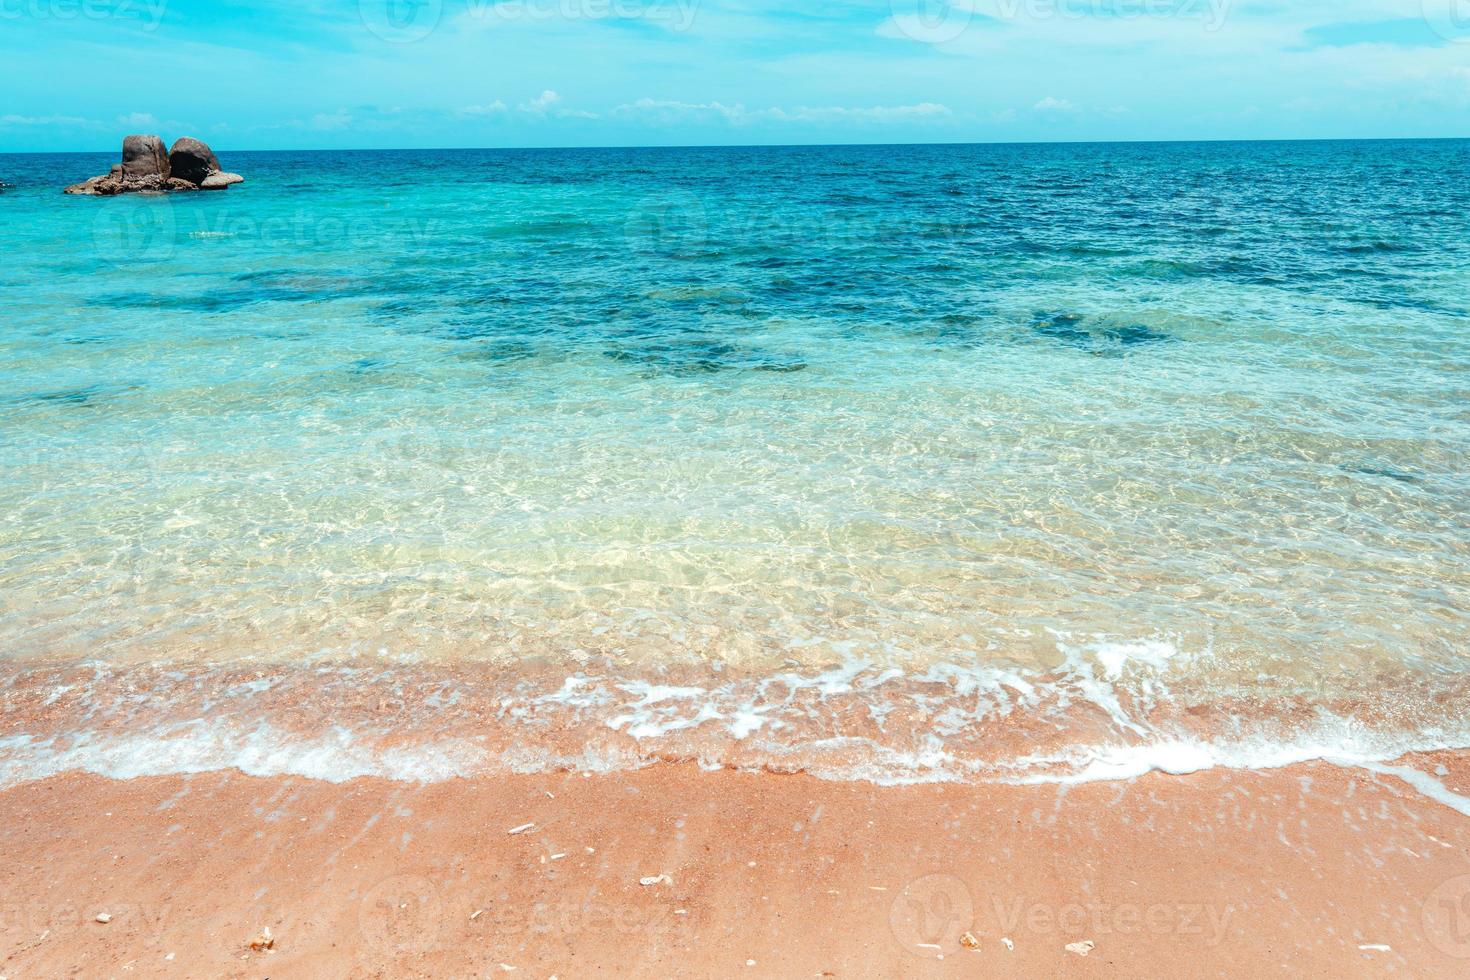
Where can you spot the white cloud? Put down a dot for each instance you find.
(1050, 104)
(490, 109)
(139, 120)
(737, 114)
(541, 103)
(671, 109)
(548, 104)
(880, 113)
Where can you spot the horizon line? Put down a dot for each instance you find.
(757, 146)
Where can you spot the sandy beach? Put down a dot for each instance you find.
(662, 489)
(1314, 870)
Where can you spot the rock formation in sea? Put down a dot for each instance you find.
(144, 156)
(191, 160)
(194, 161)
(147, 166)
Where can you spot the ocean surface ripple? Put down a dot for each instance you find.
(1065, 459)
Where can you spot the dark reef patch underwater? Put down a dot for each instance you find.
(1096, 336)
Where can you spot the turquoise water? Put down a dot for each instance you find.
(1096, 439)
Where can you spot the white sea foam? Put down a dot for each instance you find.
(958, 720)
(1334, 740)
(1114, 657)
(208, 747)
(341, 756)
(1424, 783)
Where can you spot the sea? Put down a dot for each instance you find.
(1017, 463)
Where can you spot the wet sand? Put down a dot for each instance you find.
(1312, 871)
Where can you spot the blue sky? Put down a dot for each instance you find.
(78, 74)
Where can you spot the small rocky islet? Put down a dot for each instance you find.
(148, 167)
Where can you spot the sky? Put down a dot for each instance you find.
(284, 74)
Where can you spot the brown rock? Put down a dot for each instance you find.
(110, 184)
(192, 160)
(218, 181)
(144, 156)
(92, 188)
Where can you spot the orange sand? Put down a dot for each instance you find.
(1217, 874)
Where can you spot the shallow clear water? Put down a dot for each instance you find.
(1148, 429)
